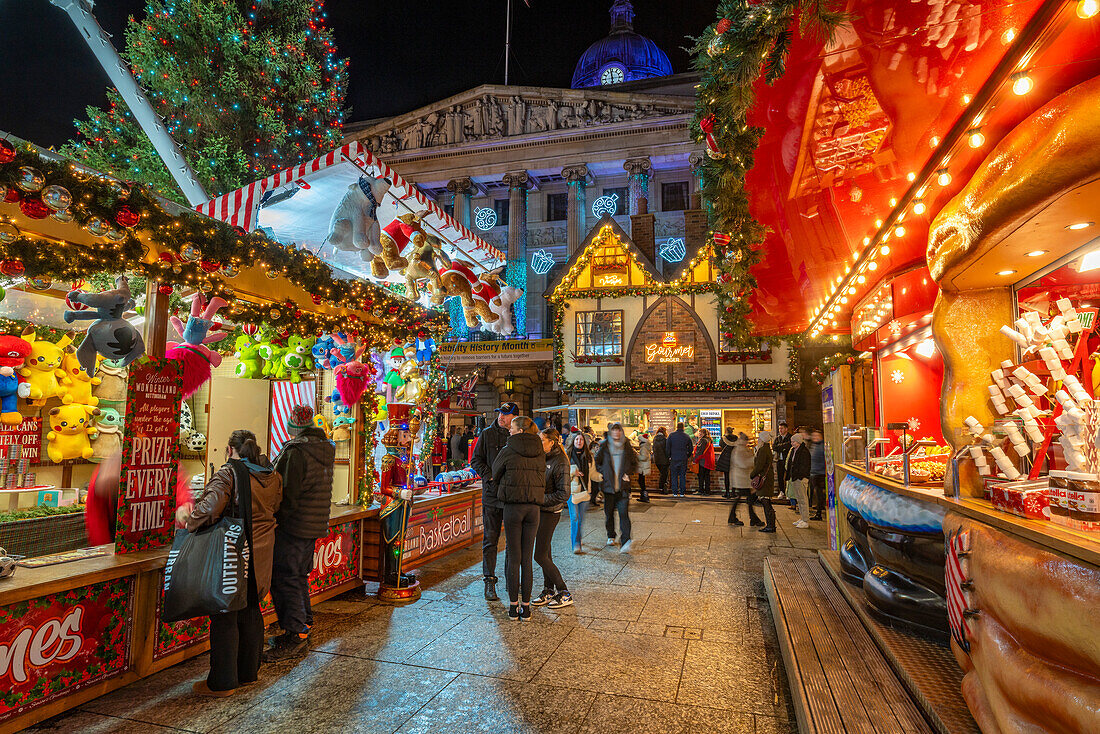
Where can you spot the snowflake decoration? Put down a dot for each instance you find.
(914, 424)
(485, 218)
(897, 376)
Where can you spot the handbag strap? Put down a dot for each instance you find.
(241, 498)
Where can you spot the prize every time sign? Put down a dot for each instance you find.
(150, 455)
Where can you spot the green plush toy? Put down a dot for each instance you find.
(299, 356)
(273, 360)
(250, 363)
(108, 440)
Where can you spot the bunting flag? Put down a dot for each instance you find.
(284, 396)
(466, 395)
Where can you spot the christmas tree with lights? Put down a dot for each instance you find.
(245, 87)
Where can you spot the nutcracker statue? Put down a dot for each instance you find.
(397, 494)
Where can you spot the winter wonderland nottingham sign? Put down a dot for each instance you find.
(606, 204)
(485, 218)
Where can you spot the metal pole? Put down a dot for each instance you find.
(507, 42)
(80, 13)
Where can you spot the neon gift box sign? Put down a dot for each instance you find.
(674, 346)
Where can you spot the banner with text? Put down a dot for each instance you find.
(150, 454)
(27, 435)
(499, 351)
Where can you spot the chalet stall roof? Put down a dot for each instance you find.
(606, 220)
(296, 205)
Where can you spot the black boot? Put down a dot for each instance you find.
(733, 515)
(491, 589)
(644, 496)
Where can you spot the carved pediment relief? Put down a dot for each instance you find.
(494, 113)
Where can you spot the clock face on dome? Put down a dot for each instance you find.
(612, 75)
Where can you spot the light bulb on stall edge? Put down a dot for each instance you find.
(918, 206)
(1087, 8)
(1022, 83)
(885, 249)
(943, 177)
(975, 138)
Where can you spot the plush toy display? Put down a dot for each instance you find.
(338, 406)
(322, 352)
(354, 223)
(76, 384)
(380, 413)
(70, 427)
(197, 359)
(112, 383)
(250, 365)
(351, 378)
(298, 358)
(424, 261)
(341, 428)
(187, 422)
(273, 354)
(342, 352)
(320, 421)
(488, 298)
(111, 335)
(196, 442)
(13, 353)
(108, 439)
(43, 371)
(414, 387)
(425, 347)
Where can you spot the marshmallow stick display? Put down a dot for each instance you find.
(1005, 464)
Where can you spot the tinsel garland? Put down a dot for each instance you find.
(198, 253)
(640, 386)
(747, 42)
(658, 289)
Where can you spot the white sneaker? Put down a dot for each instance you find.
(578, 550)
(802, 524)
(611, 541)
(627, 546)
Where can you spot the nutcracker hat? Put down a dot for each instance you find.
(398, 414)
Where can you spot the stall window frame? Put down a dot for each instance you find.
(581, 341)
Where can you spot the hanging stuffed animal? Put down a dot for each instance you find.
(338, 406)
(495, 297)
(342, 352)
(250, 365)
(298, 358)
(43, 371)
(393, 380)
(341, 428)
(424, 265)
(395, 238)
(196, 359)
(70, 427)
(352, 378)
(320, 421)
(13, 353)
(380, 414)
(111, 335)
(77, 385)
(425, 347)
(108, 439)
(354, 222)
(321, 351)
(458, 279)
(111, 388)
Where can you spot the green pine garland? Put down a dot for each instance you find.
(753, 43)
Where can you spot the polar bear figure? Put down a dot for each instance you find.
(354, 224)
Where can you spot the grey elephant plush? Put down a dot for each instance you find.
(111, 335)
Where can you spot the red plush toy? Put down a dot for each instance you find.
(13, 353)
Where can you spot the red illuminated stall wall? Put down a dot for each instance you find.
(909, 391)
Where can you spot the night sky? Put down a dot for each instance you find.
(404, 53)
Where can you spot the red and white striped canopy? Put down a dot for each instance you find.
(241, 207)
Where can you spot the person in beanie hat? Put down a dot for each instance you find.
(305, 464)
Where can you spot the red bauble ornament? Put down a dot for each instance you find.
(165, 289)
(393, 309)
(396, 341)
(12, 267)
(297, 313)
(7, 152)
(209, 266)
(368, 303)
(315, 298)
(127, 217)
(12, 195)
(723, 25)
(34, 208)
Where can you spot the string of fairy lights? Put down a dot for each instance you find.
(1016, 79)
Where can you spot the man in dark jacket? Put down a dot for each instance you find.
(519, 472)
(781, 446)
(306, 466)
(489, 444)
(679, 453)
(660, 458)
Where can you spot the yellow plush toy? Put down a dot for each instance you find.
(77, 386)
(70, 427)
(43, 371)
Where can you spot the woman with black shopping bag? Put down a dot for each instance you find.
(246, 484)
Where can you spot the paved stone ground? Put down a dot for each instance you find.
(676, 637)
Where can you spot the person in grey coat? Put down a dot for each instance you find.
(617, 462)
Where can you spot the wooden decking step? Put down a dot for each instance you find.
(840, 681)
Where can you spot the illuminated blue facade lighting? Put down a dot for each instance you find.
(674, 250)
(485, 218)
(541, 262)
(606, 204)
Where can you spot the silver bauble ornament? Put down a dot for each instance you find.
(40, 284)
(30, 179)
(97, 226)
(115, 234)
(231, 271)
(56, 197)
(190, 253)
(8, 233)
(62, 216)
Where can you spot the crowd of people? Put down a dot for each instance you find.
(530, 476)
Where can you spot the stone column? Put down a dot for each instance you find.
(461, 189)
(516, 272)
(576, 179)
(637, 180)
